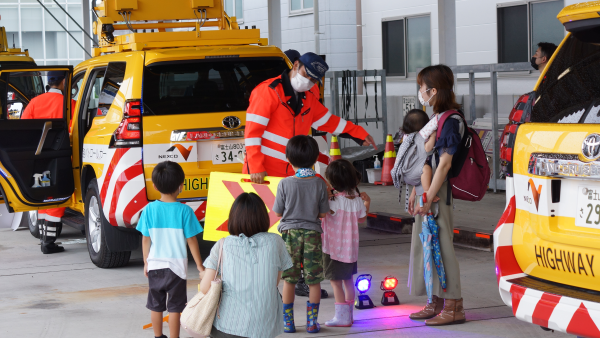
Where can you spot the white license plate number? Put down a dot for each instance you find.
(226, 152)
(588, 207)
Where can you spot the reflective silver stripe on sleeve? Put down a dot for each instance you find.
(257, 119)
(322, 120)
(340, 127)
(253, 141)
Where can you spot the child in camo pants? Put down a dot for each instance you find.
(302, 201)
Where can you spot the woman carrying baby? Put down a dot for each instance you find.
(436, 83)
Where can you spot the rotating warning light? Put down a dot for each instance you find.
(389, 297)
(389, 283)
(363, 284)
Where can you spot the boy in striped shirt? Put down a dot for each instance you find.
(167, 225)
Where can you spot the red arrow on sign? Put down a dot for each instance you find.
(267, 196)
(235, 190)
(263, 191)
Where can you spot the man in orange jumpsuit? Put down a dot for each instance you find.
(283, 107)
(49, 106)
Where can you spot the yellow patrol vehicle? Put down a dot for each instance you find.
(11, 58)
(174, 86)
(546, 244)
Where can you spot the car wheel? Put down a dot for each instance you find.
(95, 225)
(29, 219)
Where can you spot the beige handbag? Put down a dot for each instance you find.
(199, 313)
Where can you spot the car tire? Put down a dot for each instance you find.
(95, 226)
(29, 220)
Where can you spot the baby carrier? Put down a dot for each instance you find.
(411, 158)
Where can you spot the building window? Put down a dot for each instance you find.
(301, 6)
(406, 44)
(35, 30)
(522, 27)
(235, 8)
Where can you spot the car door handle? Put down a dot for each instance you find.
(47, 126)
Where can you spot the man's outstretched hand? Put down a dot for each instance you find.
(370, 142)
(258, 178)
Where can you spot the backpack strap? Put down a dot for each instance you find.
(445, 116)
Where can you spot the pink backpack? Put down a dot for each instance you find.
(469, 175)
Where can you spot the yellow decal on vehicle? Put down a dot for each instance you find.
(224, 189)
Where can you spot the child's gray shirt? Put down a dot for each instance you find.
(301, 201)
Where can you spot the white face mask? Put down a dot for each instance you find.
(423, 102)
(300, 83)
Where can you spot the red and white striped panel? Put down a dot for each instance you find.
(199, 208)
(122, 187)
(559, 313)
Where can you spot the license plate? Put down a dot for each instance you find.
(225, 152)
(588, 207)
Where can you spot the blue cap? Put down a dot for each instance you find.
(56, 75)
(314, 65)
(292, 54)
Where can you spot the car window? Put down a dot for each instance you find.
(93, 94)
(570, 90)
(75, 89)
(21, 89)
(102, 87)
(205, 86)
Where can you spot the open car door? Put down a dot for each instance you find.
(35, 150)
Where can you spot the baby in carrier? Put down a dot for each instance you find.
(411, 166)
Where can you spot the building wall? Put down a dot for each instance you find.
(34, 29)
(376, 10)
(337, 25)
(476, 30)
(256, 12)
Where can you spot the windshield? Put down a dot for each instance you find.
(205, 86)
(570, 91)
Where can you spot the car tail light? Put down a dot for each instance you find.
(504, 143)
(129, 132)
(516, 114)
(507, 142)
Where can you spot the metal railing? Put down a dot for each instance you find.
(493, 70)
(334, 76)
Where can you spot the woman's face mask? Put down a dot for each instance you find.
(423, 102)
(300, 83)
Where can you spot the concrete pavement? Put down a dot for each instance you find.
(65, 295)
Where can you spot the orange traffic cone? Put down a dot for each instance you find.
(389, 157)
(334, 152)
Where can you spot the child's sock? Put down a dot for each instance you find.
(288, 318)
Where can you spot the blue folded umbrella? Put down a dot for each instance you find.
(437, 256)
(426, 238)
